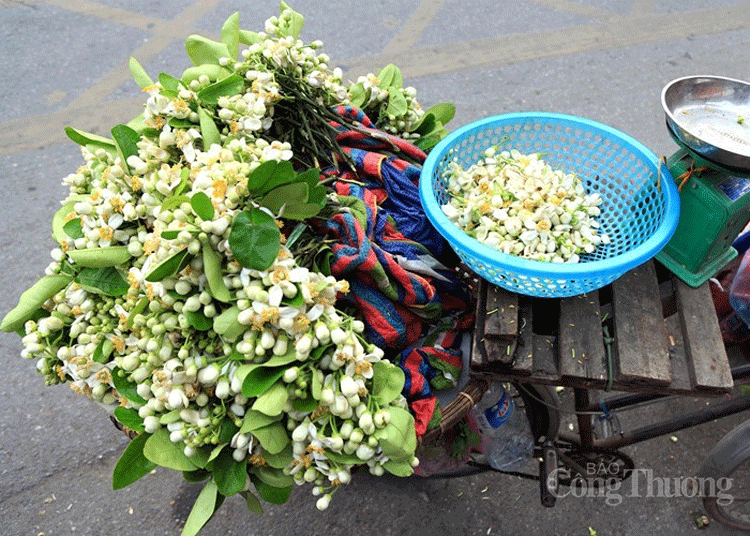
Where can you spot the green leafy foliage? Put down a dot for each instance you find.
(202, 50)
(100, 257)
(129, 417)
(126, 139)
(139, 74)
(387, 382)
(214, 274)
(73, 228)
(254, 239)
(170, 266)
(31, 300)
(133, 464)
(229, 474)
(202, 206)
(107, 281)
(398, 438)
(125, 386)
(225, 87)
(230, 34)
(203, 508)
(209, 130)
(161, 451)
(272, 401)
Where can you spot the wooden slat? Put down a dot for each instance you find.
(545, 358)
(501, 324)
(524, 361)
(640, 336)
(501, 320)
(496, 326)
(681, 382)
(706, 356)
(580, 341)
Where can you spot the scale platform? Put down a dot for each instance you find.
(706, 118)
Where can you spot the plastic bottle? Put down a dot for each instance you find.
(511, 443)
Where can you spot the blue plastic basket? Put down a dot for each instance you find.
(639, 211)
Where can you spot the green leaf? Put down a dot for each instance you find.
(171, 203)
(199, 475)
(129, 418)
(390, 77)
(172, 416)
(90, 140)
(126, 139)
(60, 218)
(397, 104)
(273, 438)
(249, 38)
(227, 430)
(260, 379)
(317, 385)
(272, 401)
(170, 83)
(270, 175)
(304, 405)
(272, 494)
(231, 85)
(230, 34)
(132, 465)
(74, 228)
(138, 309)
(280, 459)
(255, 419)
(125, 386)
(202, 50)
(229, 474)
(31, 300)
(398, 438)
(202, 206)
(100, 257)
(387, 382)
(139, 74)
(273, 477)
(443, 112)
(343, 458)
(212, 71)
(160, 450)
(254, 239)
(170, 266)
(198, 320)
(227, 325)
(138, 123)
(253, 504)
(425, 125)
(357, 95)
(402, 469)
(203, 509)
(107, 281)
(294, 25)
(214, 274)
(170, 235)
(209, 131)
(286, 194)
(103, 351)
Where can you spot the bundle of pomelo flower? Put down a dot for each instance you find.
(187, 290)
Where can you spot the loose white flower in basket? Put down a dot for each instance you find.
(175, 298)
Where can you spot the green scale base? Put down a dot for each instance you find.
(714, 208)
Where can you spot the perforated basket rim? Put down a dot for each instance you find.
(601, 268)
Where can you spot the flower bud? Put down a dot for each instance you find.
(323, 502)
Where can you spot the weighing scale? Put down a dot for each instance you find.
(709, 118)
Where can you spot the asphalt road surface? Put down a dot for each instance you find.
(64, 63)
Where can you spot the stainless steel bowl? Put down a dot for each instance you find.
(711, 116)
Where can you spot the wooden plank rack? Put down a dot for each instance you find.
(646, 332)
